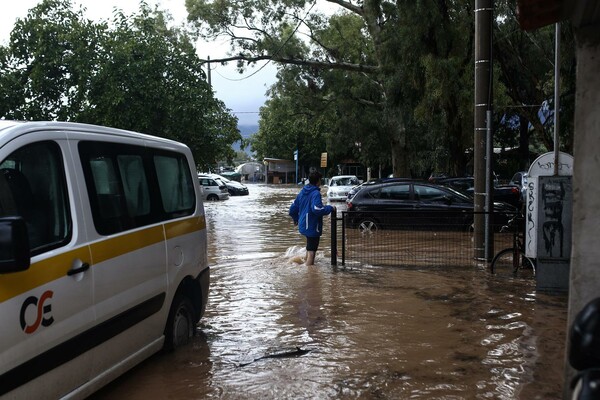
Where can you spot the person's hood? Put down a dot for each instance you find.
(309, 188)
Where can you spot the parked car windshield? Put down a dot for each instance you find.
(344, 182)
(223, 179)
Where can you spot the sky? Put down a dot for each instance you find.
(243, 94)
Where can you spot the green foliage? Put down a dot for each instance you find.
(390, 82)
(138, 74)
(45, 70)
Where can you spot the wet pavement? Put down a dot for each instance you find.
(276, 329)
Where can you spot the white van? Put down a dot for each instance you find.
(102, 255)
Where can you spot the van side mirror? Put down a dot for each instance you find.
(14, 245)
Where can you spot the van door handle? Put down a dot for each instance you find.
(84, 267)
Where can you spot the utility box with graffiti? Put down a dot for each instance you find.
(549, 210)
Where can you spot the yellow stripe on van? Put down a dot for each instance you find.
(50, 269)
(40, 273)
(174, 229)
(116, 246)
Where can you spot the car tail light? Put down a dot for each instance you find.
(349, 205)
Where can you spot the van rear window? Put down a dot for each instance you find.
(132, 186)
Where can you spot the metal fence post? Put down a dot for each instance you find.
(344, 238)
(334, 237)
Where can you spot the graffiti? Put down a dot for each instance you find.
(553, 195)
(549, 165)
(530, 218)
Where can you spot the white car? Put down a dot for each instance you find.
(339, 186)
(213, 189)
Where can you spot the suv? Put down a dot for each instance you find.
(213, 189)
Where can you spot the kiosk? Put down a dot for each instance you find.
(548, 216)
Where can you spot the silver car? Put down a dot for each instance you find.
(213, 189)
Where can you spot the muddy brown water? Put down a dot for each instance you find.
(365, 331)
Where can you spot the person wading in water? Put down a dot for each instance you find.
(307, 211)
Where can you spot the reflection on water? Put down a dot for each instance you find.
(369, 331)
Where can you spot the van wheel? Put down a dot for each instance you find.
(212, 197)
(180, 324)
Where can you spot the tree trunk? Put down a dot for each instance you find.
(399, 159)
(395, 125)
(458, 160)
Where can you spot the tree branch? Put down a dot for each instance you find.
(296, 61)
(348, 6)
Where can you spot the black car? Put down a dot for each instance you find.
(356, 188)
(417, 205)
(510, 194)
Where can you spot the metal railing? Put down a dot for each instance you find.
(410, 238)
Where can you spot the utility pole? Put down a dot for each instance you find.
(208, 71)
(556, 95)
(484, 13)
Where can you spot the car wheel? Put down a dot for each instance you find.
(212, 197)
(368, 226)
(180, 324)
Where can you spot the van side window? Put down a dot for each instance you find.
(135, 184)
(33, 186)
(175, 182)
(132, 186)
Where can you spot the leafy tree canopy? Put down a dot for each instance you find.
(391, 77)
(136, 73)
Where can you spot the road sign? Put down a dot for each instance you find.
(323, 160)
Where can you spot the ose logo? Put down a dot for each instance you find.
(43, 312)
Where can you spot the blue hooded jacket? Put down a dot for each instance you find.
(308, 210)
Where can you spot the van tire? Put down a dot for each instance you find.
(180, 324)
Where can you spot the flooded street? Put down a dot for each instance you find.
(274, 329)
